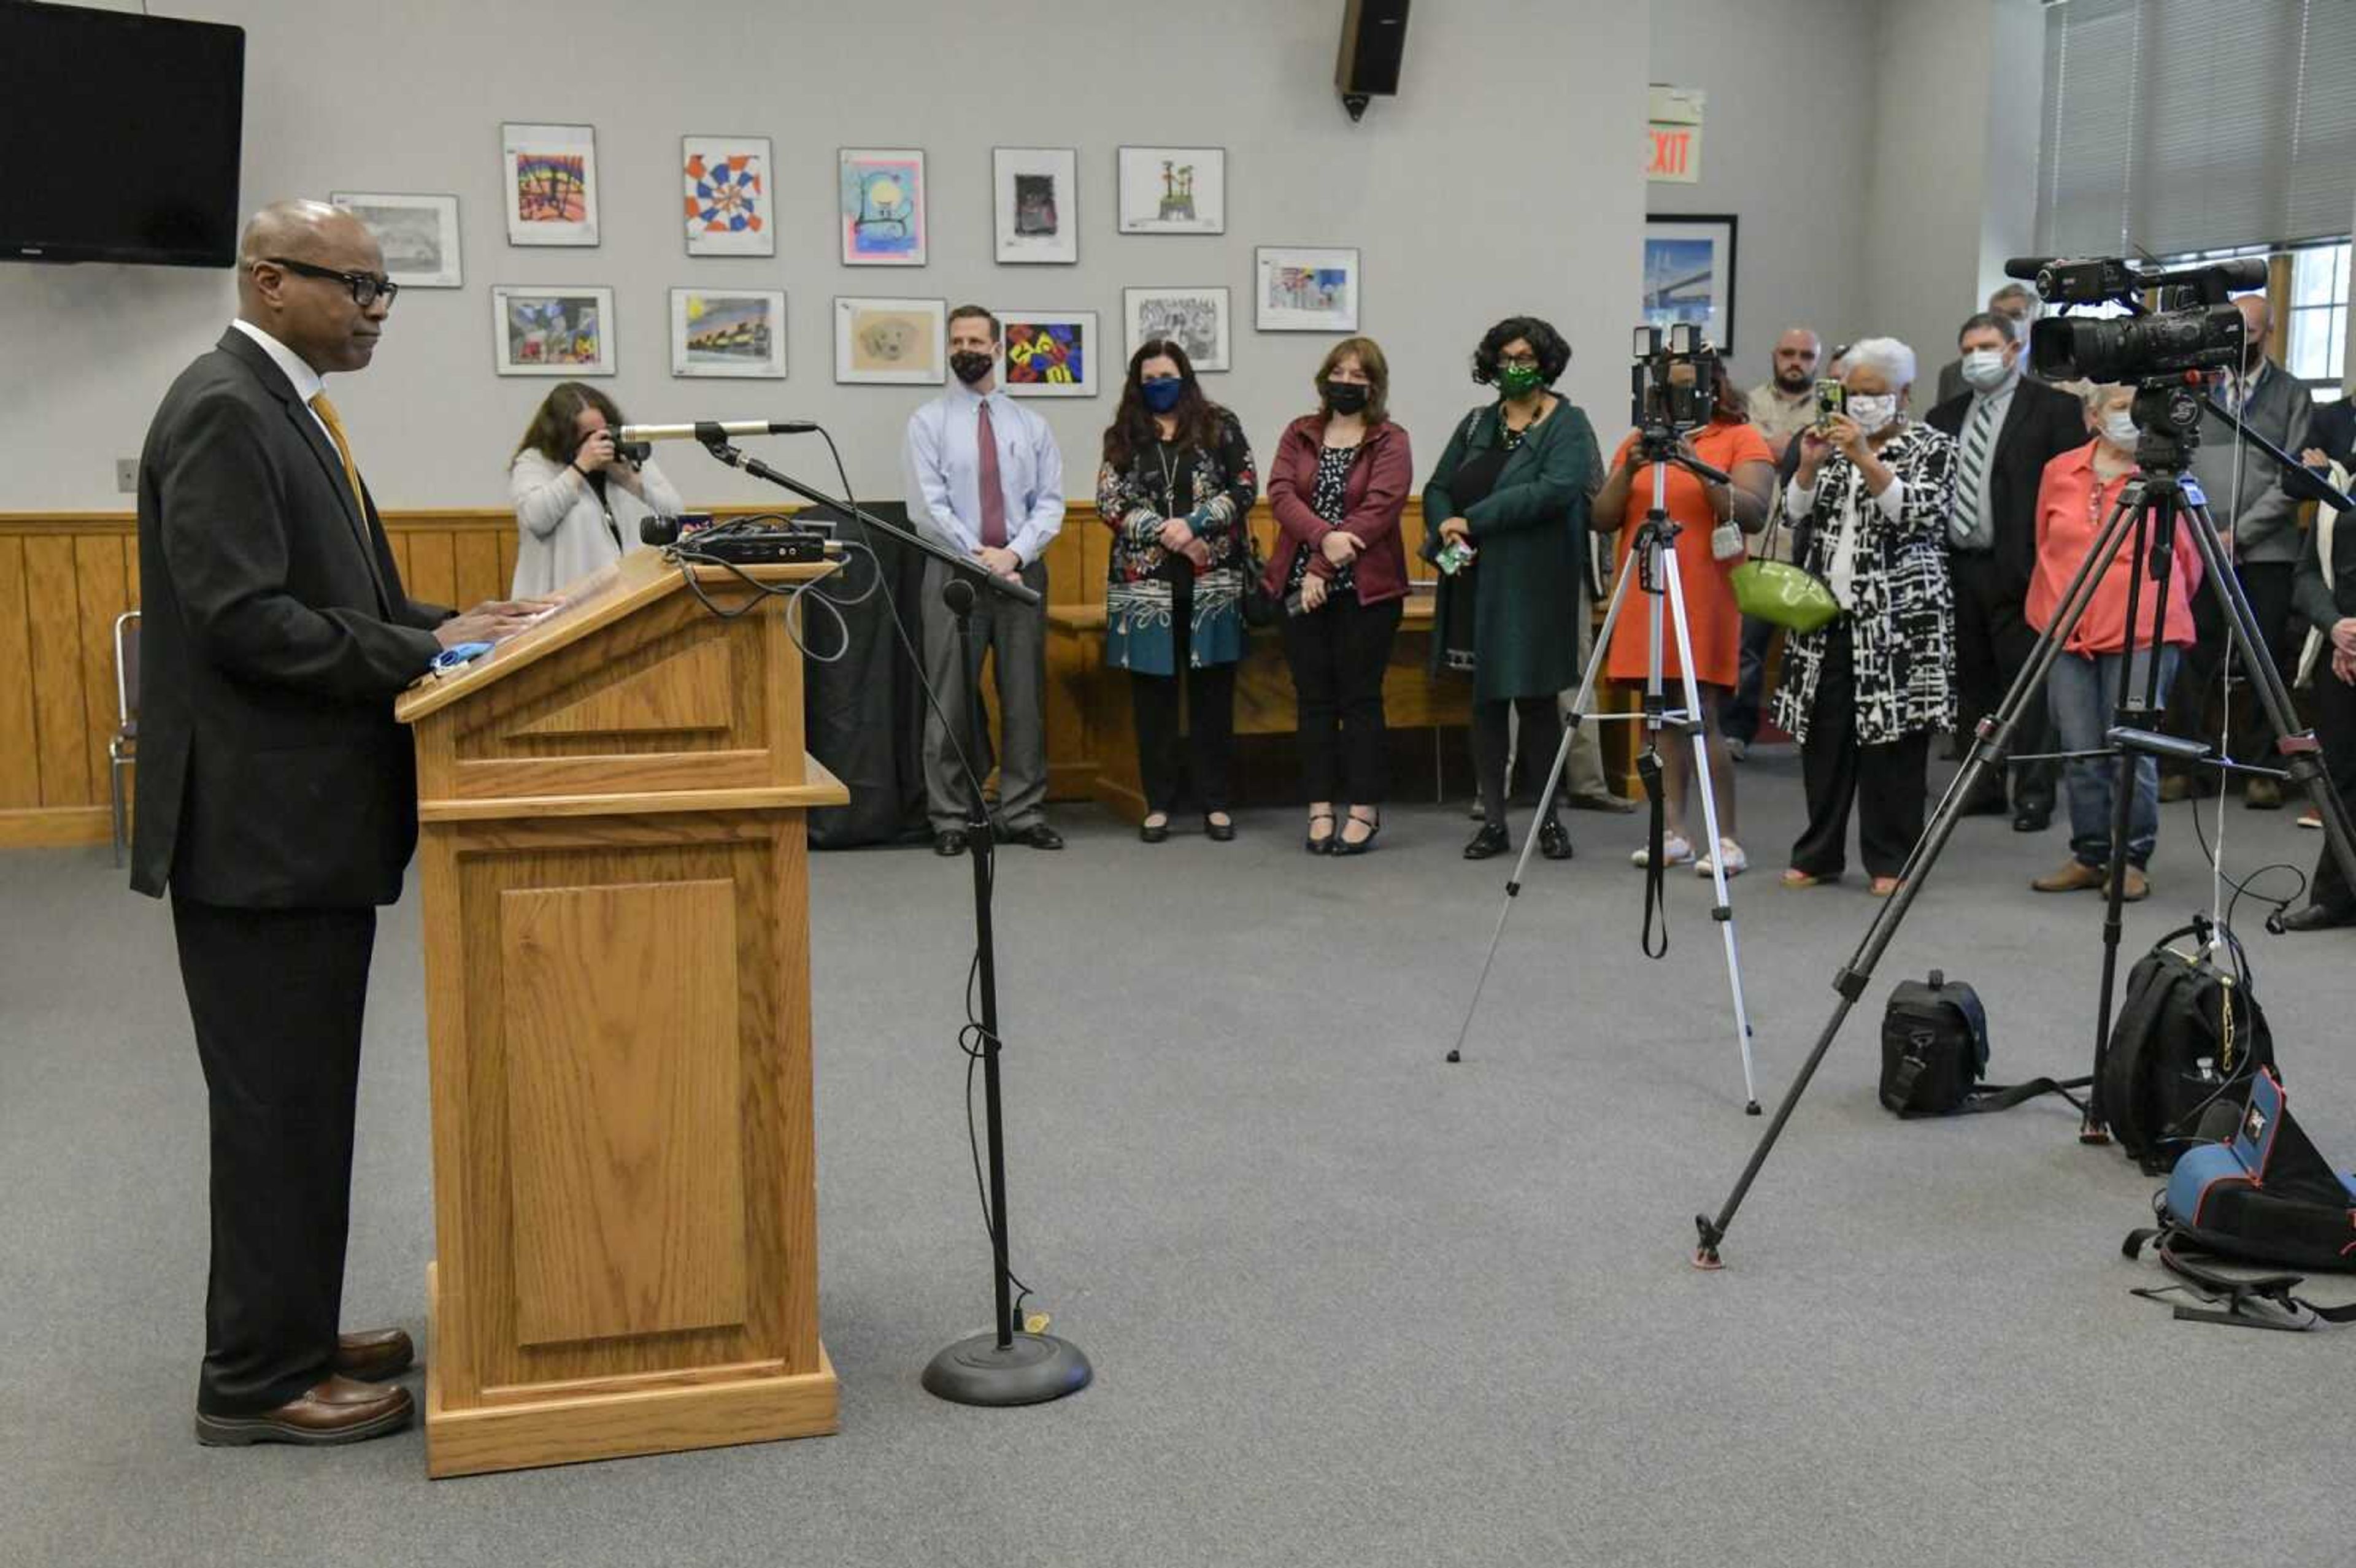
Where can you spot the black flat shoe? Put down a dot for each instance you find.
(950, 842)
(1038, 835)
(2316, 917)
(1154, 832)
(1490, 840)
(2032, 819)
(1313, 844)
(1343, 844)
(1219, 832)
(1553, 842)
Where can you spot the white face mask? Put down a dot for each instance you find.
(1984, 369)
(2119, 429)
(1872, 413)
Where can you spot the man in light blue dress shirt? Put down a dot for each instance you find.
(985, 480)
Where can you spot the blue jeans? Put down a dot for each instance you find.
(2083, 695)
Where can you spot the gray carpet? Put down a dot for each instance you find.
(1348, 1305)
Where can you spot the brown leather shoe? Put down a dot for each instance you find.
(2138, 887)
(374, 1355)
(336, 1411)
(2075, 876)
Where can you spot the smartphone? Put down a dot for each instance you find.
(1832, 397)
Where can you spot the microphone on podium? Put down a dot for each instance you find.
(710, 431)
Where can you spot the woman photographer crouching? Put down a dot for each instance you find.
(578, 502)
(1864, 695)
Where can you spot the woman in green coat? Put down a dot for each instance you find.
(1511, 489)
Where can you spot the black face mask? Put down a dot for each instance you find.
(970, 366)
(1346, 396)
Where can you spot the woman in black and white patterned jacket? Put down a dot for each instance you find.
(1864, 695)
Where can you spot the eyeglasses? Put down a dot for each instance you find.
(1517, 359)
(367, 287)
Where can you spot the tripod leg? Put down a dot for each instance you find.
(2302, 754)
(1722, 911)
(1854, 977)
(2095, 1127)
(1580, 707)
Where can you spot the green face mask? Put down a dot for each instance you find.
(1519, 380)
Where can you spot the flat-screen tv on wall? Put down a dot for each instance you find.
(118, 136)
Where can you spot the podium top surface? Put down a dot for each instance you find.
(640, 578)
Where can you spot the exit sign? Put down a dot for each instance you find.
(1673, 135)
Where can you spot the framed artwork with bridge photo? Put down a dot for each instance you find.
(1689, 273)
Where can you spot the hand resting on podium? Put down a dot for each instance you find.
(494, 619)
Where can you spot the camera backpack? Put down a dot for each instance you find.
(1934, 1053)
(2254, 1192)
(2189, 1035)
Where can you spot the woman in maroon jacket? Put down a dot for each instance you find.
(1338, 484)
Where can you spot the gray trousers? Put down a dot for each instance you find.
(1018, 635)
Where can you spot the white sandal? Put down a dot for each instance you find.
(1737, 862)
(1674, 849)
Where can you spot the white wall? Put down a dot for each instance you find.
(1788, 147)
(1479, 191)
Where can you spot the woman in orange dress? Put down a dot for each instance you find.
(1712, 520)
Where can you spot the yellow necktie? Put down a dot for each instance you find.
(327, 416)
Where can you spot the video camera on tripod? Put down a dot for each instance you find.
(1665, 405)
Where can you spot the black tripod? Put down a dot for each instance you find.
(1003, 1367)
(2168, 412)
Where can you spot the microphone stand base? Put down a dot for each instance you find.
(1033, 1370)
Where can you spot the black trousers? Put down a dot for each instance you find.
(1203, 749)
(1740, 720)
(1992, 641)
(275, 995)
(2335, 727)
(1886, 784)
(1492, 738)
(2192, 709)
(1339, 655)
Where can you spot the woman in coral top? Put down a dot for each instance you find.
(2074, 501)
(1712, 520)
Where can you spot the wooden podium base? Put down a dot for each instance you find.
(610, 1420)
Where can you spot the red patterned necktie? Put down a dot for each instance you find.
(993, 490)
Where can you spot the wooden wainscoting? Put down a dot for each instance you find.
(65, 576)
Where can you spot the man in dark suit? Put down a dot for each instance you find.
(2007, 429)
(2323, 593)
(2017, 301)
(277, 804)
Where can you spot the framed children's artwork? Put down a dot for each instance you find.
(1195, 319)
(728, 196)
(890, 341)
(1049, 353)
(1689, 274)
(1297, 289)
(552, 329)
(728, 332)
(552, 184)
(880, 192)
(1037, 201)
(1173, 190)
(417, 233)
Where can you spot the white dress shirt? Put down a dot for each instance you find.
(307, 381)
(944, 472)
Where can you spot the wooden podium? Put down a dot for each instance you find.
(615, 870)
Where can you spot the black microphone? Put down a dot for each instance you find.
(710, 431)
(2026, 268)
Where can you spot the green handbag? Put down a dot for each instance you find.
(1782, 593)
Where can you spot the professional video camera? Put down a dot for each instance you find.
(2198, 330)
(1666, 406)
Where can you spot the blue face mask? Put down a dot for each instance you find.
(1163, 392)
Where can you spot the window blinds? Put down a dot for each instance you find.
(2174, 127)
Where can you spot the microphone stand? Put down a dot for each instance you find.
(1002, 1366)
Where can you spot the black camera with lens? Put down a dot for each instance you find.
(634, 453)
(2197, 329)
(1667, 404)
